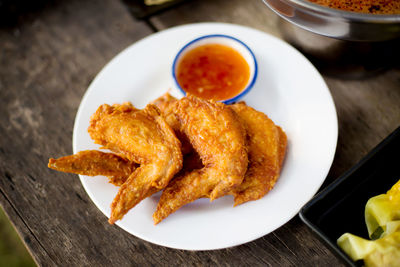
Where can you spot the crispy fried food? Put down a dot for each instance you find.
(267, 147)
(191, 160)
(166, 104)
(93, 163)
(231, 149)
(143, 136)
(216, 134)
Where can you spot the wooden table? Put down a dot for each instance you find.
(49, 56)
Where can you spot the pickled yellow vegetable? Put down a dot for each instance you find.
(381, 210)
(381, 252)
(391, 227)
(382, 217)
(356, 247)
(386, 251)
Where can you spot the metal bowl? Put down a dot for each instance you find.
(337, 23)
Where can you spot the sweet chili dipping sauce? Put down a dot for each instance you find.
(213, 71)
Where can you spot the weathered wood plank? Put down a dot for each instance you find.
(46, 63)
(23, 230)
(367, 110)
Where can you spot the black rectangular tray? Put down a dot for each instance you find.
(339, 208)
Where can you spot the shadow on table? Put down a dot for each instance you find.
(11, 11)
(340, 58)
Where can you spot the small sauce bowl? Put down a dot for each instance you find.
(216, 66)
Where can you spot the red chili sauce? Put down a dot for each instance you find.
(213, 71)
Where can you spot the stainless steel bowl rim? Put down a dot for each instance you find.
(354, 16)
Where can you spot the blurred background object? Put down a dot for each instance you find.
(12, 252)
(339, 43)
(342, 58)
(155, 2)
(340, 24)
(141, 9)
(12, 10)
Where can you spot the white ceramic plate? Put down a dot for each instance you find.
(288, 89)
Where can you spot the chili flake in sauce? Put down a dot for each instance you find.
(213, 71)
(363, 6)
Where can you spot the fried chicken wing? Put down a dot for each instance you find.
(191, 159)
(267, 147)
(216, 134)
(142, 136)
(93, 163)
(166, 104)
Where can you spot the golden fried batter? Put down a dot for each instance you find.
(93, 163)
(166, 103)
(267, 147)
(231, 149)
(216, 134)
(143, 136)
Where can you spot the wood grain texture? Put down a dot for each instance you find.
(48, 60)
(368, 110)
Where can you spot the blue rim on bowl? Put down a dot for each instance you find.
(230, 41)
